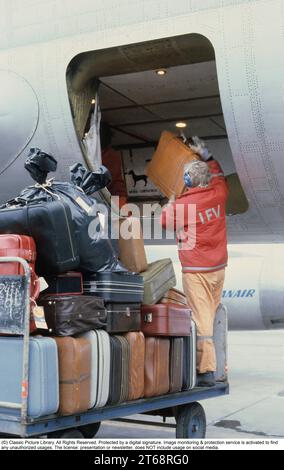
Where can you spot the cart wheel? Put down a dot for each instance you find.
(191, 422)
(73, 433)
(90, 430)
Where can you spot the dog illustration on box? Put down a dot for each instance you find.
(137, 178)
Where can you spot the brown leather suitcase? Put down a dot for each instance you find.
(136, 343)
(70, 315)
(157, 381)
(176, 364)
(174, 296)
(165, 320)
(74, 356)
(131, 250)
(166, 168)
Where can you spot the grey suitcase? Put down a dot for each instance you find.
(43, 397)
(189, 359)
(158, 279)
(103, 345)
(220, 341)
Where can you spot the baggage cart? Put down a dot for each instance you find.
(183, 406)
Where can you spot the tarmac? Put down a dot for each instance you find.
(254, 408)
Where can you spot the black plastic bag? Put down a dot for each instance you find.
(89, 181)
(39, 164)
(95, 248)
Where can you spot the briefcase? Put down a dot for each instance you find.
(166, 169)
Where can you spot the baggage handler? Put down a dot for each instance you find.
(203, 259)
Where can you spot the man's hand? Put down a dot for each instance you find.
(200, 148)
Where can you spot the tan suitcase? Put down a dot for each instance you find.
(157, 353)
(131, 250)
(136, 343)
(174, 296)
(166, 168)
(74, 356)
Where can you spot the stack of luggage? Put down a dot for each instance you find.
(104, 328)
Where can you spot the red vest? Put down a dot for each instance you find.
(199, 218)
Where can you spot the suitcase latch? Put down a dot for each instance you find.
(148, 318)
(127, 311)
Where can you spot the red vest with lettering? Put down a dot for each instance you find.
(199, 219)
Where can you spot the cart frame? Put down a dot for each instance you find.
(23, 426)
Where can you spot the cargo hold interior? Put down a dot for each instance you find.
(138, 104)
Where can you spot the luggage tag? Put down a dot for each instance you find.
(39, 317)
(42, 284)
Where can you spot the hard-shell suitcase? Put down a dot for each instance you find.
(12, 284)
(43, 384)
(115, 287)
(220, 342)
(125, 353)
(122, 318)
(176, 364)
(165, 320)
(131, 249)
(158, 279)
(156, 376)
(74, 356)
(136, 343)
(189, 359)
(174, 296)
(51, 226)
(70, 283)
(23, 247)
(115, 370)
(103, 367)
(91, 337)
(70, 315)
(167, 172)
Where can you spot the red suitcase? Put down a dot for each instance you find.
(165, 320)
(24, 247)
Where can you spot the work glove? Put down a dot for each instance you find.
(200, 148)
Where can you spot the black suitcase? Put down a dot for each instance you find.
(119, 370)
(51, 226)
(115, 371)
(70, 283)
(122, 318)
(115, 287)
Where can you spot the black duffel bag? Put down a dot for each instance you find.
(94, 247)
